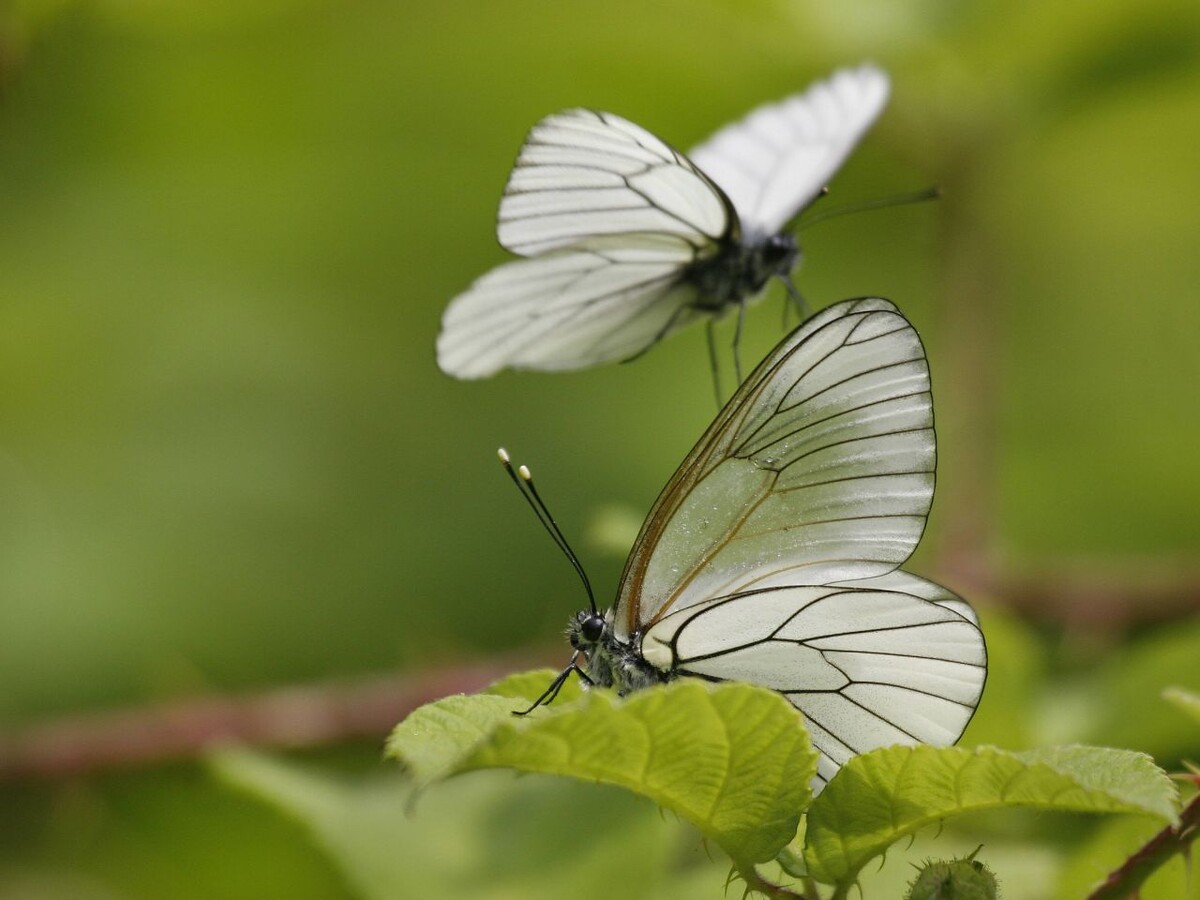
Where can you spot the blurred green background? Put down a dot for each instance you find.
(228, 460)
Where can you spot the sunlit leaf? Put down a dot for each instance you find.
(491, 839)
(733, 759)
(884, 795)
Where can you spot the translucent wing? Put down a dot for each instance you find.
(818, 470)
(868, 668)
(775, 161)
(607, 300)
(582, 173)
(899, 580)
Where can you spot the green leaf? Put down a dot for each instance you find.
(528, 686)
(1127, 693)
(432, 738)
(1188, 701)
(884, 795)
(493, 838)
(733, 759)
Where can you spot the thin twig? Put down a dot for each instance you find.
(1125, 881)
(288, 718)
(322, 714)
(756, 882)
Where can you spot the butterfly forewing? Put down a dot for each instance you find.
(819, 469)
(775, 161)
(581, 174)
(867, 666)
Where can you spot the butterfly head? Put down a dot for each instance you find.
(587, 630)
(780, 253)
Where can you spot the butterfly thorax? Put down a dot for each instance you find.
(612, 662)
(741, 270)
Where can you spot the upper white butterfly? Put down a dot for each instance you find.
(628, 240)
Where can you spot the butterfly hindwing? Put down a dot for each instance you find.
(868, 667)
(905, 582)
(568, 309)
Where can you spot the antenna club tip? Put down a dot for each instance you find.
(525, 474)
(502, 454)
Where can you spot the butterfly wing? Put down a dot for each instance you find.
(605, 300)
(904, 582)
(818, 470)
(868, 667)
(776, 160)
(581, 174)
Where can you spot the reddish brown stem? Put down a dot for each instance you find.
(1125, 882)
(289, 718)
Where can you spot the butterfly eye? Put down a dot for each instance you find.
(779, 253)
(592, 629)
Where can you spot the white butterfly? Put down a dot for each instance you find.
(629, 240)
(771, 556)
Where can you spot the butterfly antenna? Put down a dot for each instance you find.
(931, 193)
(523, 479)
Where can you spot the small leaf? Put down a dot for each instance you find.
(733, 759)
(1188, 701)
(433, 737)
(494, 838)
(433, 740)
(886, 794)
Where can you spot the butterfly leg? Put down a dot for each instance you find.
(556, 685)
(796, 298)
(710, 331)
(737, 342)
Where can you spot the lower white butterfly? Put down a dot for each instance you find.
(628, 240)
(771, 556)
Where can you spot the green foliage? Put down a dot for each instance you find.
(733, 759)
(489, 837)
(882, 796)
(229, 460)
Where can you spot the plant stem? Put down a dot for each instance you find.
(1125, 881)
(297, 717)
(756, 882)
